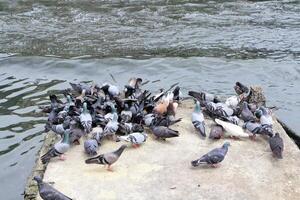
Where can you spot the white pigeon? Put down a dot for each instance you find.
(136, 138)
(232, 101)
(232, 129)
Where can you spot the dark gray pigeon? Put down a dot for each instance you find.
(213, 157)
(246, 113)
(164, 132)
(47, 192)
(107, 158)
(276, 145)
(216, 132)
(240, 88)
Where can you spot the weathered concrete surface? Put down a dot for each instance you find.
(162, 170)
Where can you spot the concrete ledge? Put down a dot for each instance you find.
(162, 170)
(31, 190)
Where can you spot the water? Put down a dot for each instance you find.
(204, 45)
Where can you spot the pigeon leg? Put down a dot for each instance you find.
(62, 157)
(252, 137)
(215, 165)
(109, 168)
(235, 138)
(135, 145)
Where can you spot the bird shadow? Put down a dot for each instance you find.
(204, 166)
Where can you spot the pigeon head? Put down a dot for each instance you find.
(276, 135)
(195, 163)
(37, 179)
(240, 88)
(137, 128)
(226, 144)
(258, 113)
(129, 90)
(105, 87)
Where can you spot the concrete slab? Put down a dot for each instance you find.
(162, 170)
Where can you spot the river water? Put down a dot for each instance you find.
(203, 45)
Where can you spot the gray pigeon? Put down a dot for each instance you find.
(164, 132)
(86, 119)
(91, 146)
(59, 128)
(107, 158)
(213, 157)
(58, 149)
(216, 132)
(276, 145)
(246, 113)
(253, 127)
(47, 192)
(198, 120)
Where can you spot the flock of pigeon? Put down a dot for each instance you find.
(96, 113)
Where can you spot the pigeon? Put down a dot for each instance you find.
(111, 90)
(176, 94)
(232, 129)
(246, 113)
(107, 158)
(126, 115)
(233, 101)
(58, 149)
(162, 107)
(240, 88)
(276, 145)
(163, 132)
(91, 146)
(69, 104)
(216, 132)
(47, 192)
(264, 116)
(220, 110)
(112, 126)
(164, 121)
(136, 138)
(76, 133)
(78, 87)
(253, 127)
(213, 157)
(86, 119)
(204, 97)
(59, 128)
(127, 128)
(198, 120)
